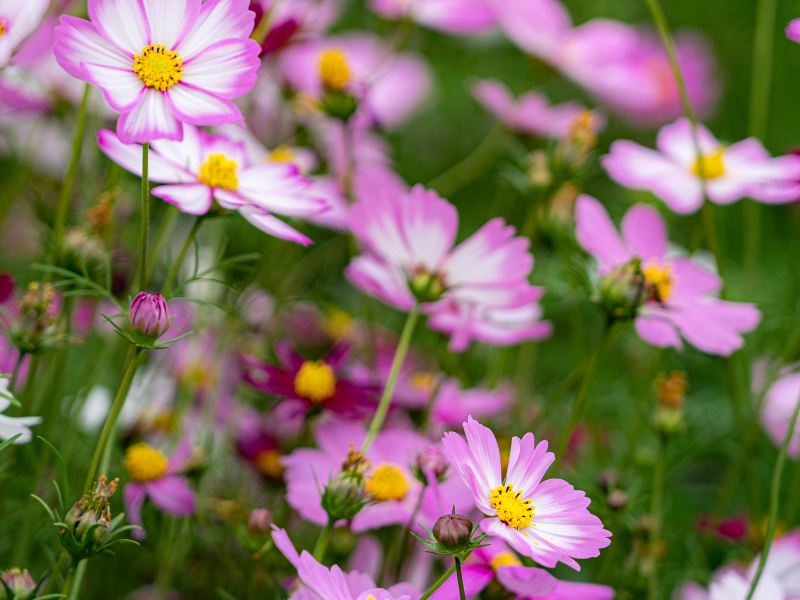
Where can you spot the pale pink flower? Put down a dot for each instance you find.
(672, 170)
(793, 30)
(776, 413)
(451, 16)
(678, 294)
(537, 26)
(163, 63)
(204, 168)
(18, 19)
(545, 519)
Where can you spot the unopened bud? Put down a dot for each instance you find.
(344, 496)
(259, 521)
(432, 462)
(149, 315)
(19, 582)
(622, 290)
(539, 173)
(671, 389)
(617, 500)
(92, 514)
(452, 530)
(426, 287)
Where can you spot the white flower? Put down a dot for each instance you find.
(11, 426)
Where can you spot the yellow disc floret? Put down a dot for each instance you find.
(387, 482)
(3, 28)
(145, 463)
(282, 154)
(713, 165)
(270, 464)
(219, 172)
(334, 72)
(512, 508)
(504, 559)
(423, 381)
(315, 381)
(658, 281)
(158, 67)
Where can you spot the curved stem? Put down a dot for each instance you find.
(438, 583)
(145, 217)
(656, 515)
(62, 209)
(134, 360)
(173, 270)
(462, 595)
(391, 383)
(470, 167)
(774, 499)
(322, 541)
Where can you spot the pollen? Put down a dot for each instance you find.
(713, 164)
(270, 464)
(282, 154)
(219, 172)
(334, 72)
(315, 381)
(145, 463)
(512, 508)
(504, 559)
(158, 67)
(658, 281)
(387, 482)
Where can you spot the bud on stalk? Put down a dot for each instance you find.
(149, 315)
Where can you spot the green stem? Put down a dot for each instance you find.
(77, 581)
(145, 216)
(63, 560)
(774, 499)
(657, 516)
(461, 592)
(134, 360)
(472, 166)
(173, 270)
(391, 383)
(322, 541)
(12, 384)
(438, 583)
(62, 209)
(166, 223)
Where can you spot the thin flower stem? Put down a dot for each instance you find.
(322, 541)
(62, 209)
(173, 270)
(438, 583)
(145, 216)
(12, 383)
(472, 166)
(774, 499)
(391, 383)
(166, 223)
(657, 517)
(74, 585)
(461, 592)
(134, 360)
(63, 561)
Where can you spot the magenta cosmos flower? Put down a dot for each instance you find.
(389, 482)
(308, 384)
(203, 168)
(408, 241)
(157, 477)
(678, 294)
(162, 63)
(672, 171)
(776, 413)
(289, 21)
(451, 16)
(321, 582)
(497, 562)
(531, 113)
(793, 30)
(544, 519)
(17, 21)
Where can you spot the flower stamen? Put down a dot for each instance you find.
(504, 559)
(158, 67)
(387, 482)
(511, 507)
(713, 165)
(315, 381)
(334, 72)
(658, 281)
(219, 172)
(145, 463)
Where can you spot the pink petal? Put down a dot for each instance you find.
(275, 227)
(170, 19)
(526, 581)
(190, 198)
(123, 22)
(151, 120)
(172, 494)
(476, 578)
(227, 69)
(527, 463)
(121, 88)
(658, 332)
(218, 20)
(198, 107)
(129, 157)
(134, 495)
(597, 235)
(644, 232)
(77, 41)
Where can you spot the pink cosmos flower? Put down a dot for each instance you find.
(544, 519)
(390, 86)
(453, 404)
(671, 172)
(408, 241)
(793, 30)
(537, 26)
(157, 477)
(163, 63)
(451, 16)
(531, 113)
(627, 69)
(17, 22)
(332, 583)
(308, 384)
(203, 168)
(295, 20)
(776, 413)
(390, 482)
(678, 294)
(497, 562)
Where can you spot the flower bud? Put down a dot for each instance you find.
(617, 500)
(431, 461)
(89, 519)
(18, 582)
(344, 496)
(259, 521)
(668, 415)
(452, 530)
(149, 315)
(622, 290)
(426, 287)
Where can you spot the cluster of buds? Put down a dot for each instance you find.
(345, 495)
(17, 584)
(670, 394)
(452, 535)
(36, 329)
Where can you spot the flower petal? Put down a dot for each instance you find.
(227, 69)
(195, 106)
(123, 22)
(121, 88)
(172, 494)
(171, 19)
(190, 198)
(218, 20)
(150, 120)
(77, 42)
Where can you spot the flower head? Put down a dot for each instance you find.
(545, 519)
(149, 315)
(163, 63)
(17, 584)
(675, 297)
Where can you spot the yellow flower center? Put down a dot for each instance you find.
(658, 281)
(504, 559)
(3, 28)
(270, 464)
(423, 381)
(282, 154)
(315, 381)
(338, 324)
(145, 463)
(713, 164)
(512, 509)
(387, 482)
(334, 72)
(219, 172)
(157, 67)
